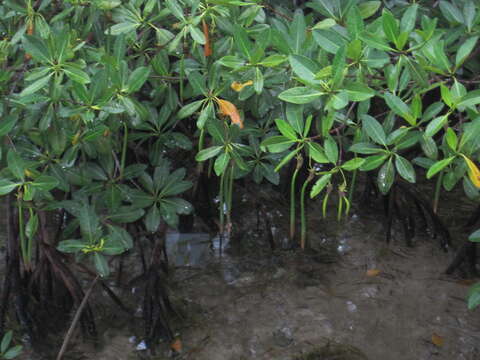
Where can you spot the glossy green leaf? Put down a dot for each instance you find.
(439, 166)
(405, 168)
(374, 129)
(300, 95)
(386, 176)
(320, 185)
(208, 153)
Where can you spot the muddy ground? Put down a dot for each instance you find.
(351, 296)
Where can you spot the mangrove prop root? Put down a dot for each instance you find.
(76, 319)
(468, 253)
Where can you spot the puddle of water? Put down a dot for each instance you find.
(188, 249)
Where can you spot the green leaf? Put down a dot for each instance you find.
(465, 50)
(304, 68)
(324, 24)
(197, 81)
(175, 9)
(287, 158)
(137, 79)
(126, 214)
(385, 177)
(439, 166)
(76, 74)
(276, 144)
(368, 8)
(471, 99)
(189, 109)
(221, 163)
(390, 26)
(373, 162)
(374, 41)
(36, 47)
(285, 129)
(300, 95)
(242, 41)
(45, 183)
(359, 92)
(451, 12)
(365, 148)
(7, 338)
(71, 246)
(331, 150)
(399, 107)
(197, 35)
(405, 168)
(231, 61)
(294, 115)
(320, 185)
(35, 86)
(101, 264)
(435, 125)
(451, 138)
(316, 152)
(16, 164)
(7, 123)
(208, 153)
(374, 129)
(473, 297)
(328, 40)
(122, 28)
(353, 164)
(152, 219)
(407, 24)
(273, 60)
(475, 236)
(13, 352)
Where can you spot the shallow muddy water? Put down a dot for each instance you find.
(351, 296)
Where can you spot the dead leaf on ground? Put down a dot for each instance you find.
(176, 345)
(373, 272)
(437, 340)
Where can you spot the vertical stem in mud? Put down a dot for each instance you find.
(292, 196)
(303, 235)
(76, 318)
(221, 197)
(229, 196)
(23, 244)
(438, 187)
(352, 186)
(124, 149)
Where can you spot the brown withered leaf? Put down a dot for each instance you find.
(437, 340)
(207, 48)
(228, 109)
(238, 86)
(176, 345)
(373, 272)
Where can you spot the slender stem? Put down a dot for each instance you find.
(23, 245)
(438, 187)
(221, 202)
(230, 195)
(124, 148)
(292, 204)
(69, 333)
(352, 186)
(303, 235)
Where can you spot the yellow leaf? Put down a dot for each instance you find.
(473, 172)
(437, 340)
(228, 109)
(237, 86)
(373, 272)
(176, 345)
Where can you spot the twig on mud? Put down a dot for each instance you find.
(204, 342)
(76, 318)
